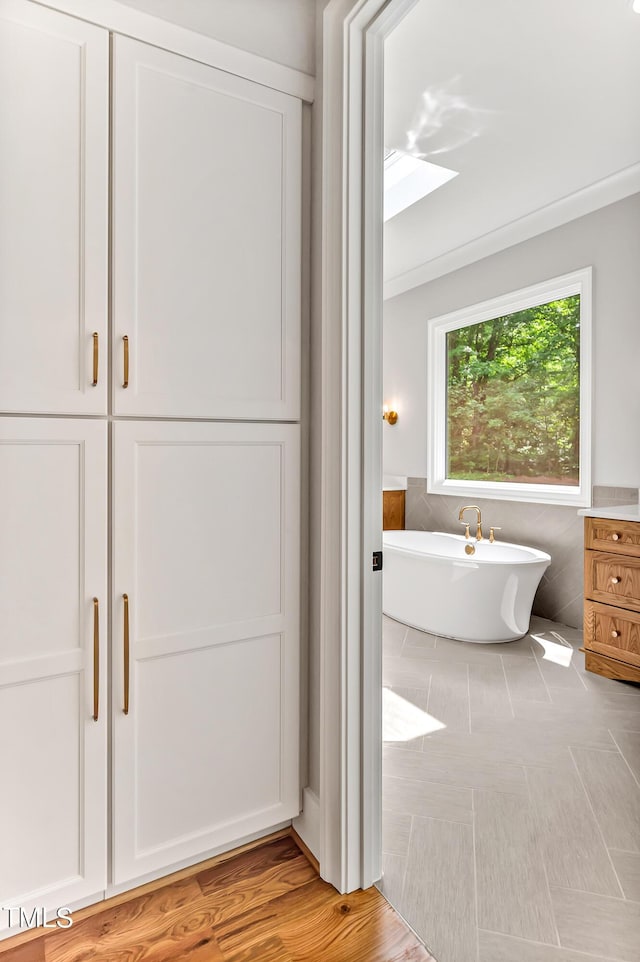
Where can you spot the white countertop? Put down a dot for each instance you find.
(624, 512)
(393, 482)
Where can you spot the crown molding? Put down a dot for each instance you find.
(119, 18)
(611, 189)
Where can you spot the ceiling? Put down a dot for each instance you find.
(530, 101)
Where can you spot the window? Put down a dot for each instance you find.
(510, 395)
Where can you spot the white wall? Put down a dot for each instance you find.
(609, 240)
(280, 30)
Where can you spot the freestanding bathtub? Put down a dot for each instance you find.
(429, 582)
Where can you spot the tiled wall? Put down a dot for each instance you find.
(555, 529)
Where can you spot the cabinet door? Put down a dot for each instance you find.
(207, 181)
(206, 549)
(52, 565)
(54, 123)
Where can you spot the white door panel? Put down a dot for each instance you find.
(43, 796)
(216, 713)
(39, 488)
(206, 240)
(53, 510)
(207, 500)
(54, 124)
(206, 548)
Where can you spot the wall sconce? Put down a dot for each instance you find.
(389, 416)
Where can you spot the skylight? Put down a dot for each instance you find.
(408, 179)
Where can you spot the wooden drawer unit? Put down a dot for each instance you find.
(612, 598)
(610, 667)
(620, 537)
(612, 579)
(612, 631)
(393, 510)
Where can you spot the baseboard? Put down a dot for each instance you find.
(307, 824)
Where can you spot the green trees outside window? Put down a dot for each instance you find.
(513, 396)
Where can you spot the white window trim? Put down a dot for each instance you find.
(578, 282)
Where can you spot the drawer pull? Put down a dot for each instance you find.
(615, 536)
(615, 580)
(94, 382)
(125, 709)
(96, 659)
(615, 633)
(125, 343)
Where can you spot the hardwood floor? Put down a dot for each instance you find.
(264, 905)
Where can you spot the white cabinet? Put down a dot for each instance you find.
(204, 530)
(206, 549)
(206, 256)
(53, 544)
(54, 124)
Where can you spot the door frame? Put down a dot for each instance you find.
(353, 34)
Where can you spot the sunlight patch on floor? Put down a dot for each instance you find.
(555, 647)
(402, 721)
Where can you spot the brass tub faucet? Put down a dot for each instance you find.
(471, 507)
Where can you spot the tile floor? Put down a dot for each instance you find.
(511, 799)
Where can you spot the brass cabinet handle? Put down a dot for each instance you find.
(96, 659)
(125, 598)
(95, 359)
(125, 341)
